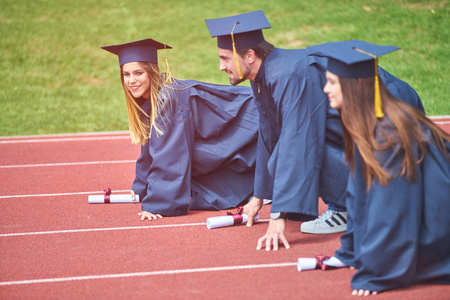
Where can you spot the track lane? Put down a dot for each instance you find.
(147, 249)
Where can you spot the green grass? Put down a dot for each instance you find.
(54, 78)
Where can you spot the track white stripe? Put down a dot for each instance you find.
(142, 274)
(69, 164)
(107, 229)
(59, 194)
(441, 123)
(66, 139)
(99, 229)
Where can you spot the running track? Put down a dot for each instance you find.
(54, 245)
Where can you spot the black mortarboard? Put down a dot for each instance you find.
(143, 50)
(246, 29)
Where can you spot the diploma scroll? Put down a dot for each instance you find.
(107, 197)
(319, 262)
(228, 220)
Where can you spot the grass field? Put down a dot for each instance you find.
(54, 77)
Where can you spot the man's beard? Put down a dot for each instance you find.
(235, 80)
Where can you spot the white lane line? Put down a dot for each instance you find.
(69, 164)
(440, 120)
(153, 273)
(56, 135)
(107, 229)
(59, 194)
(99, 229)
(65, 139)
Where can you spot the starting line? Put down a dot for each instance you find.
(59, 194)
(70, 164)
(153, 273)
(107, 229)
(99, 229)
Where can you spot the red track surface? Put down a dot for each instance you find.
(54, 245)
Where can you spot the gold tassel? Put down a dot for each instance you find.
(378, 108)
(238, 65)
(377, 101)
(168, 74)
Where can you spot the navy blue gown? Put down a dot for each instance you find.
(399, 234)
(300, 152)
(207, 151)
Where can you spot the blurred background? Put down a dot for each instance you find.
(54, 78)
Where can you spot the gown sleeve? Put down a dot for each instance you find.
(263, 181)
(169, 175)
(346, 252)
(142, 165)
(398, 234)
(302, 106)
(386, 224)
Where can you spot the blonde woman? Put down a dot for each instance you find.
(198, 140)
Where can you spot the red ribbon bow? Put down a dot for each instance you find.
(107, 193)
(320, 264)
(237, 217)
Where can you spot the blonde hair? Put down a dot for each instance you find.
(141, 123)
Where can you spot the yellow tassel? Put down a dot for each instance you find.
(168, 74)
(378, 109)
(377, 101)
(238, 65)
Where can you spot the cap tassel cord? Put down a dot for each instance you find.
(238, 65)
(377, 102)
(169, 77)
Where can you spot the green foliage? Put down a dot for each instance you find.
(54, 77)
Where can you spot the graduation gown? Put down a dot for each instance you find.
(207, 151)
(399, 234)
(300, 152)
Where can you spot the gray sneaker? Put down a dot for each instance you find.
(329, 222)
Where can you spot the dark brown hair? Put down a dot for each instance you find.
(261, 50)
(359, 123)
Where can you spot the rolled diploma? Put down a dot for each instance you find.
(334, 262)
(124, 198)
(223, 221)
(306, 263)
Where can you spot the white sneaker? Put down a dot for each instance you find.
(267, 201)
(329, 222)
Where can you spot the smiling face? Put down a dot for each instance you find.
(334, 90)
(227, 64)
(136, 79)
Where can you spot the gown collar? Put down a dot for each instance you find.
(260, 75)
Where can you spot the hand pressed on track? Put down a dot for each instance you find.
(148, 215)
(274, 233)
(251, 209)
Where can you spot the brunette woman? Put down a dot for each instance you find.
(398, 196)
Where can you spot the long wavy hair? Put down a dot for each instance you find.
(359, 122)
(141, 125)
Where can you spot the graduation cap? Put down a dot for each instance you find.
(355, 59)
(238, 32)
(143, 50)
(245, 29)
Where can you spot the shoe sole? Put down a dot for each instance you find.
(323, 231)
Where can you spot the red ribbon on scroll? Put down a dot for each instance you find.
(107, 193)
(237, 217)
(320, 264)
